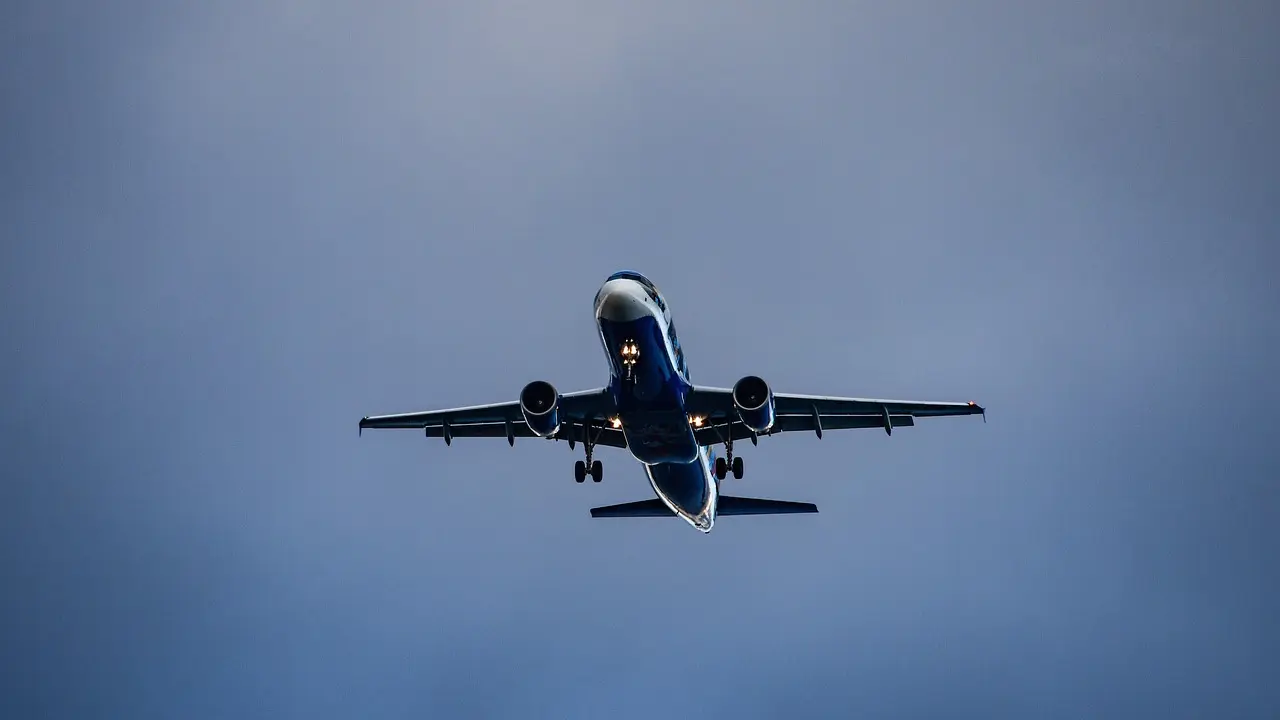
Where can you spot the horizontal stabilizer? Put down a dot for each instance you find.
(643, 508)
(758, 506)
(727, 505)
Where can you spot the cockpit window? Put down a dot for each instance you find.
(631, 275)
(650, 289)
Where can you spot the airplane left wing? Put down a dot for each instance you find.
(498, 420)
(813, 413)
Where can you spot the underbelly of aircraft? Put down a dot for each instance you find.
(660, 436)
(683, 484)
(648, 391)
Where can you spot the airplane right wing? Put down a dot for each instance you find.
(814, 413)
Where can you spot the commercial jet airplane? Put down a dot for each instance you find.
(652, 409)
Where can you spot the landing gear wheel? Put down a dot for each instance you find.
(722, 468)
(737, 468)
(582, 467)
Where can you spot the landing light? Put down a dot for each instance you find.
(697, 420)
(616, 422)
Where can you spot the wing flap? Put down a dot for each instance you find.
(496, 413)
(716, 405)
(595, 405)
(603, 436)
(480, 430)
(716, 434)
(796, 404)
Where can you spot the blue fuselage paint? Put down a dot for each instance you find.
(649, 380)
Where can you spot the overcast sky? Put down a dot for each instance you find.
(230, 230)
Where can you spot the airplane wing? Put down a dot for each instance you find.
(813, 413)
(504, 420)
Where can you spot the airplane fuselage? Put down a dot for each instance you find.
(649, 380)
(651, 408)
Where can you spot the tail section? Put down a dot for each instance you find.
(727, 505)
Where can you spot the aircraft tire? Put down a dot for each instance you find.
(597, 471)
(737, 468)
(580, 471)
(721, 469)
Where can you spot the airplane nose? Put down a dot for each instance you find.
(622, 301)
(703, 522)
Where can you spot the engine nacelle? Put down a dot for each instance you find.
(753, 400)
(540, 404)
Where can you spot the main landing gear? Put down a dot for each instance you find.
(728, 462)
(580, 468)
(580, 471)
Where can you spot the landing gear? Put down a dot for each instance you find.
(727, 463)
(580, 471)
(595, 468)
(724, 467)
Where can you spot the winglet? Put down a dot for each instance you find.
(980, 409)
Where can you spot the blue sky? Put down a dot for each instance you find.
(231, 231)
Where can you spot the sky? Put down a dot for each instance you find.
(230, 230)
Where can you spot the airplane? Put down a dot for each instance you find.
(652, 409)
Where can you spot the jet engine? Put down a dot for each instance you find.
(540, 405)
(753, 400)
